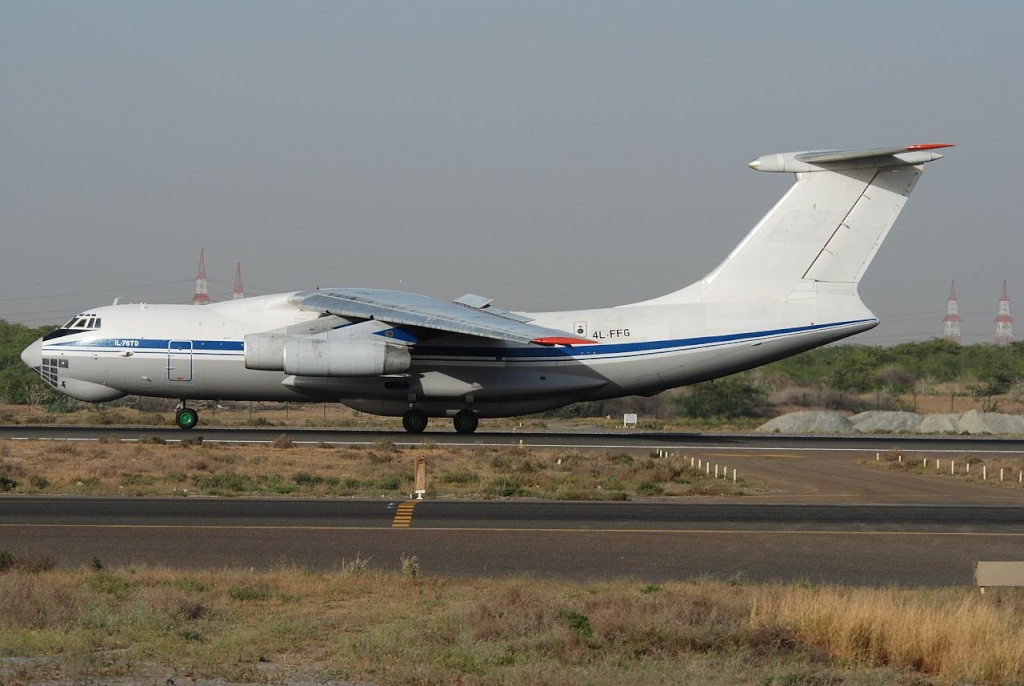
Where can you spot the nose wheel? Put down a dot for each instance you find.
(186, 417)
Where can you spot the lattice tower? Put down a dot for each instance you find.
(238, 292)
(1004, 322)
(951, 322)
(202, 296)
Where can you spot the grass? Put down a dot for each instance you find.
(287, 468)
(362, 625)
(963, 467)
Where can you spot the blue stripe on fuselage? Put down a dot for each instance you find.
(579, 351)
(160, 345)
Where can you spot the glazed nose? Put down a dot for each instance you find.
(32, 356)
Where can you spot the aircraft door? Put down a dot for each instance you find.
(179, 361)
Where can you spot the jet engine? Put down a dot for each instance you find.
(325, 355)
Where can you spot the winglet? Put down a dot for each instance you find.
(560, 340)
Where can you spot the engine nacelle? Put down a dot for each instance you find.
(353, 357)
(346, 352)
(265, 351)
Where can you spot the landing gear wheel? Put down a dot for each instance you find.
(186, 418)
(415, 421)
(466, 421)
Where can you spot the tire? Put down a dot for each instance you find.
(186, 418)
(414, 421)
(466, 421)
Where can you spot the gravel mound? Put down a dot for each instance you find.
(975, 422)
(878, 421)
(808, 423)
(882, 422)
(940, 424)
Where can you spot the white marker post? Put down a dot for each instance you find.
(421, 477)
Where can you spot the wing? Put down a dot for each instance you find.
(471, 315)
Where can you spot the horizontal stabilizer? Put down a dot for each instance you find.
(837, 160)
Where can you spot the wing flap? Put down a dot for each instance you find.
(410, 309)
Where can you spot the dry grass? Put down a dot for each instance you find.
(359, 624)
(150, 468)
(967, 467)
(957, 635)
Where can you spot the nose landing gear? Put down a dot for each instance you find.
(185, 417)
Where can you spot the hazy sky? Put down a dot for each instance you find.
(551, 155)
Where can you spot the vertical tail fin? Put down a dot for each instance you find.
(826, 228)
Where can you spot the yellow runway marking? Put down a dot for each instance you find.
(403, 516)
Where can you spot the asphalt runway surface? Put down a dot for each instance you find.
(823, 517)
(624, 440)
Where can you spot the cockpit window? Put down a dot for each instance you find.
(82, 322)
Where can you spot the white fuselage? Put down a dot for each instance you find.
(197, 352)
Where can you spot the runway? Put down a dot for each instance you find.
(824, 516)
(850, 544)
(611, 440)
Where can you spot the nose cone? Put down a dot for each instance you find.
(32, 356)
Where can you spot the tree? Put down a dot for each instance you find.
(726, 398)
(17, 380)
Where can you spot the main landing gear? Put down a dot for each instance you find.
(415, 421)
(185, 417)
(466, 421)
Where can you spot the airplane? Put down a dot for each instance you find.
(790, 285)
